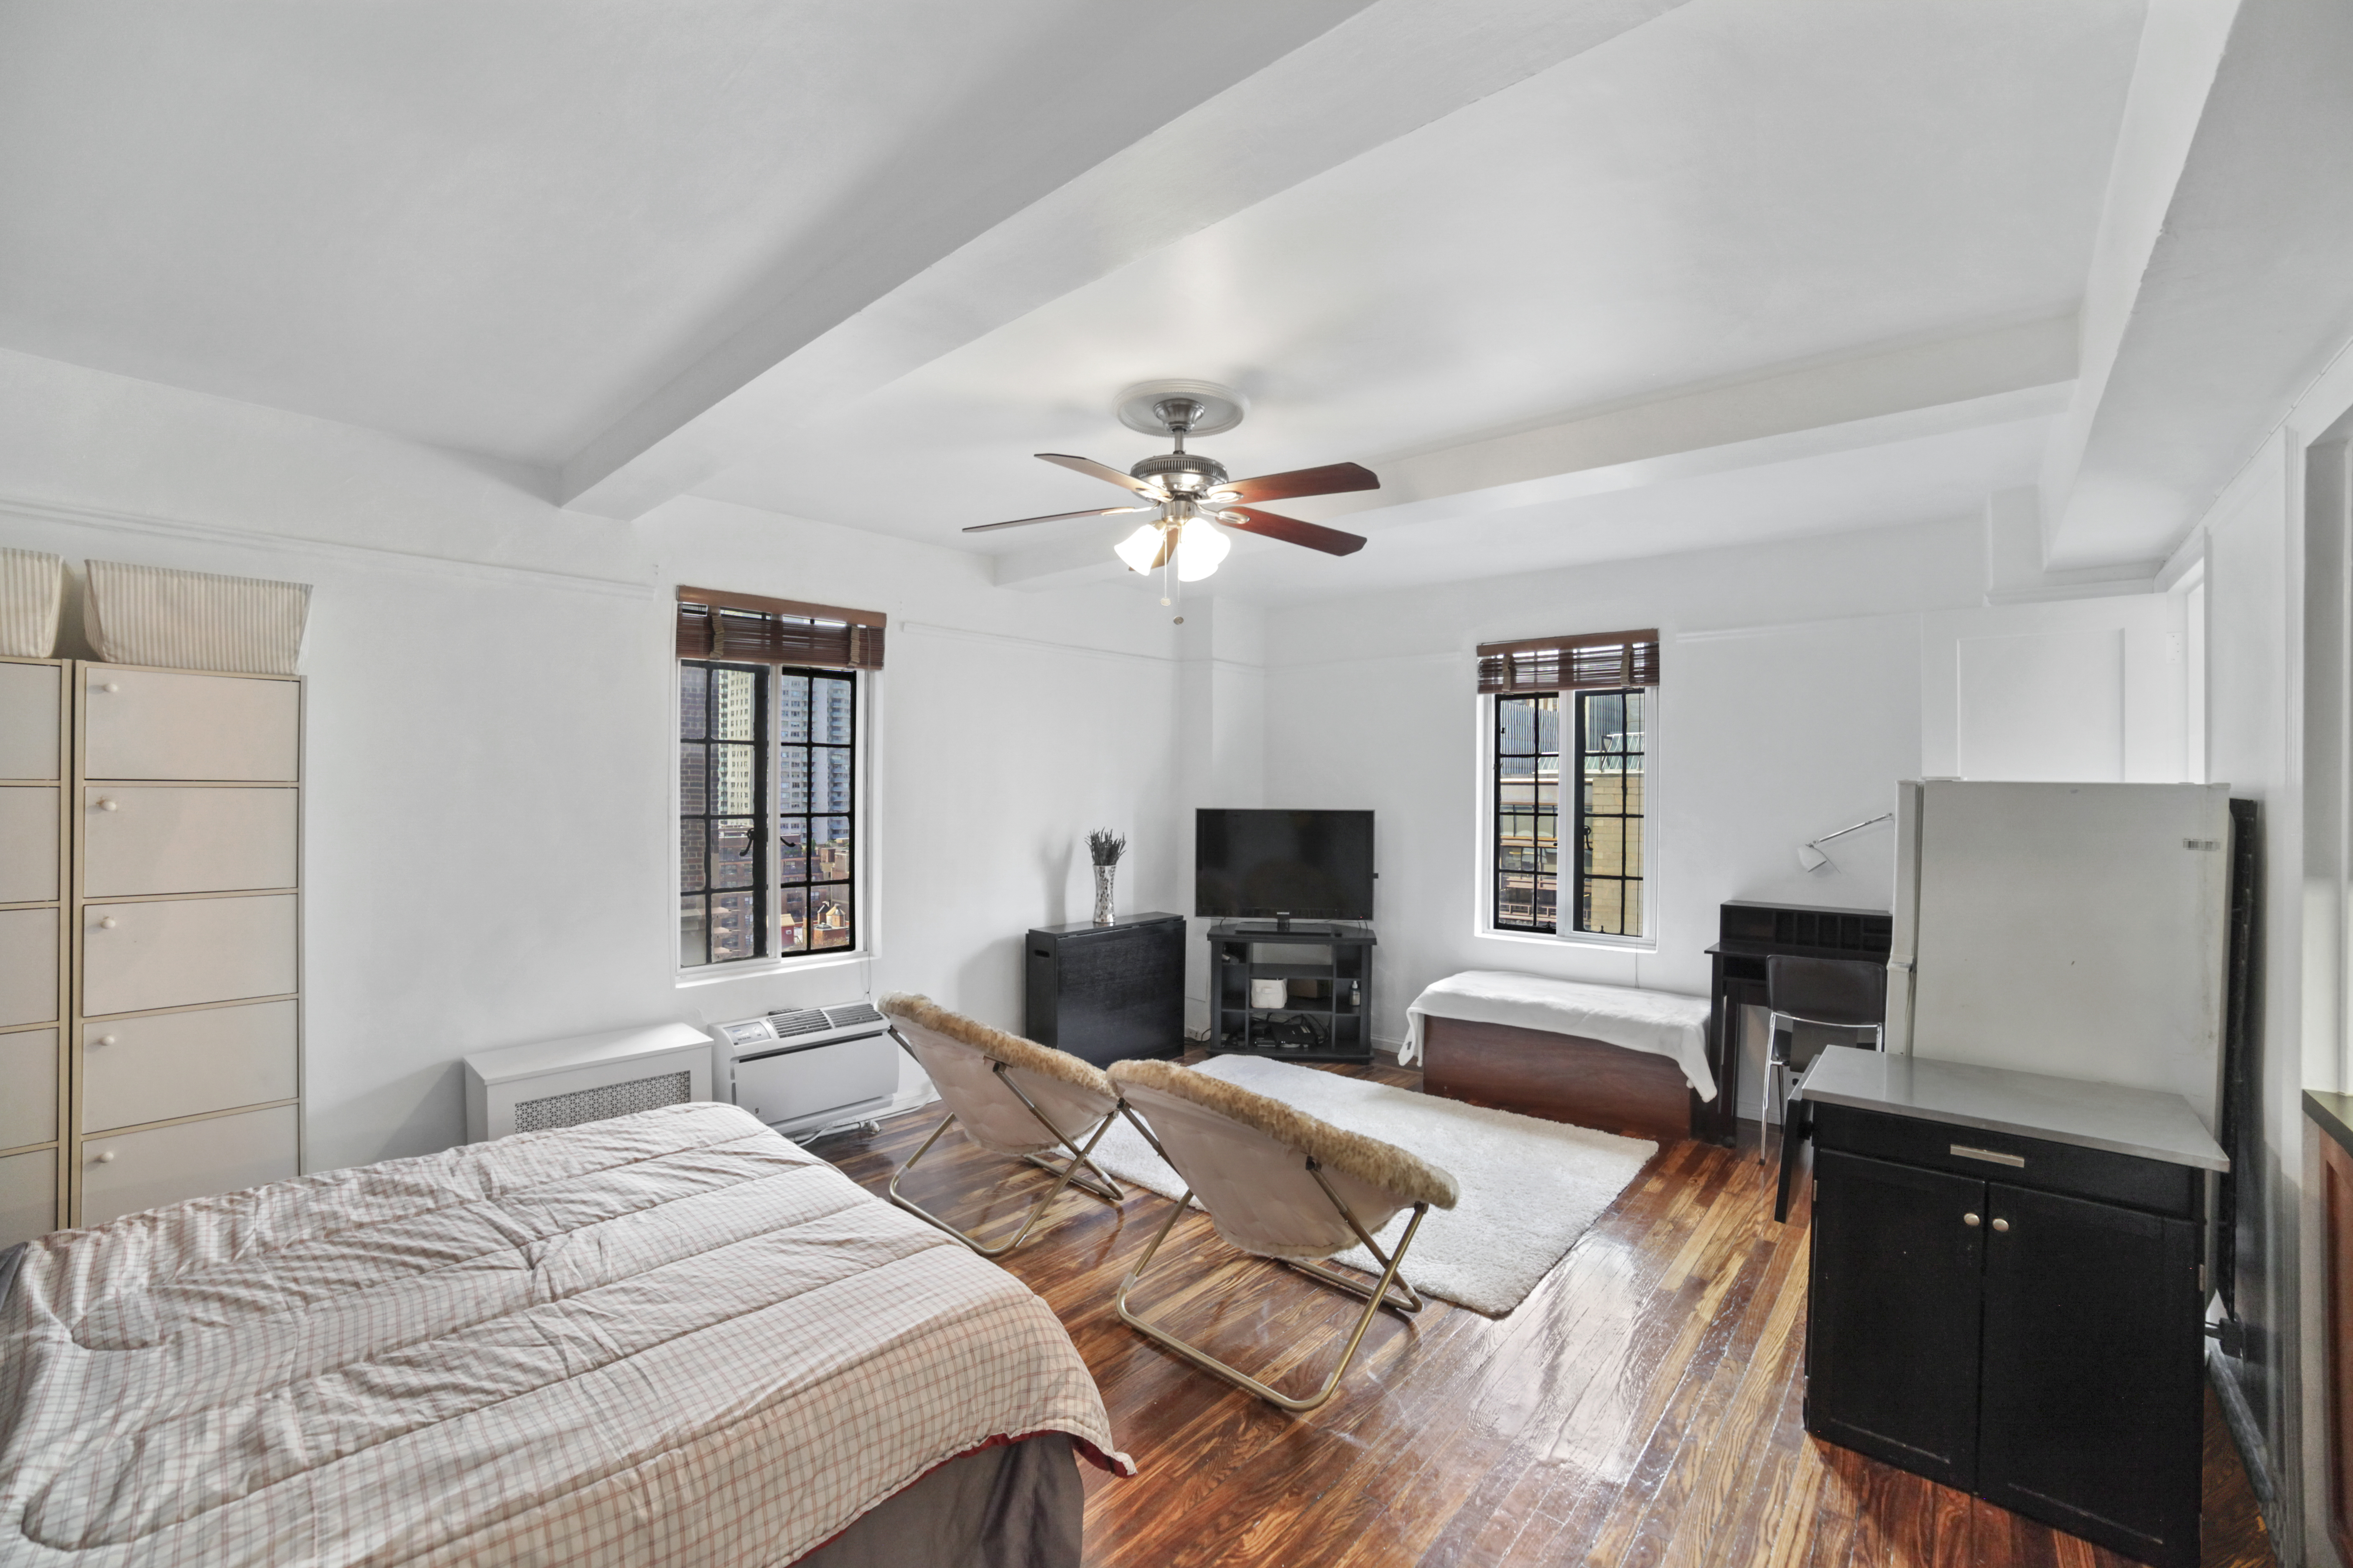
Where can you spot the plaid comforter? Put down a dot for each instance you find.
(672, 1338)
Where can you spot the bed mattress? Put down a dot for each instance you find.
(672, 1337)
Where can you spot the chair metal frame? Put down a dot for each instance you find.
(1778, 1067)
(1375, 1296)
(1098, 1185)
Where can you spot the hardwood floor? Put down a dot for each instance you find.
(1641, 1407)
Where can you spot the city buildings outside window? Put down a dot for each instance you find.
(1593, 776)
(767, 811)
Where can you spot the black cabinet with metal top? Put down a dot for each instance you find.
(1108, 992)
(2014, 1316)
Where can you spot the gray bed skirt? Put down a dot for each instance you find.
(1017, 1505)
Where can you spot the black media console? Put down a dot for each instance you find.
(1327, 973)
(1108, 992)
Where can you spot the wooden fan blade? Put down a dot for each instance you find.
(1106, 472)
(1057, 517)
(1290, 530)
(1330, 480)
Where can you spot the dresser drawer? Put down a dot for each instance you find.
(136, 1171)
(28, 843)
(31, 744)
(28, 966)
(180, 953)
(2018, 1161)
(28, 1197)
(151, 724)
(150, 839)
(28, 1067)
(184, 1064)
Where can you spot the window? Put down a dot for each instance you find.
(1592, 771)
(768, 776)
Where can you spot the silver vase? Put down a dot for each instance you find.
(1103, 877)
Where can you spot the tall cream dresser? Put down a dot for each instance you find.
(181, 1052)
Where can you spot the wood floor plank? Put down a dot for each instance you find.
(1642, 1408)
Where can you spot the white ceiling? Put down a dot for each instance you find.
(512, 228)
(1728, 190)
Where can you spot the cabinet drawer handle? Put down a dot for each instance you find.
(1993, 1157)
(1971, 1220)
(106, 1158)
(109, 804)
(103, 1040)
(2001, 1225)
(108, 922)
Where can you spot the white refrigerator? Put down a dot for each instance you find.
(2075, 929)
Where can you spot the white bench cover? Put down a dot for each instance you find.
(1659, 1021)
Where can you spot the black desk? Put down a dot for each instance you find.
(1748, 934)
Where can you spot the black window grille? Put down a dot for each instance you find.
(1604, 748)
(767, 811)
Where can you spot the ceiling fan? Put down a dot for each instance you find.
(1190, 496)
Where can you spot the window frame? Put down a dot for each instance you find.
(864, 745)
(1486, 892)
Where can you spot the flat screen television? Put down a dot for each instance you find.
(1310, 864)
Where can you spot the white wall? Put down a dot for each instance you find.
(1797, 678)
(490, 829)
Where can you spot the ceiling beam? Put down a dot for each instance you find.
(925, 283)
(1991, 377)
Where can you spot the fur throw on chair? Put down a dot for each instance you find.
(1384, 1166)
(997, 1045)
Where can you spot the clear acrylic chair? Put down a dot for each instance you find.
(1011, 1096)
(1828, 992)
(1280, 1184)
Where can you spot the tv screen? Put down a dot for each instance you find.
(1317, 864)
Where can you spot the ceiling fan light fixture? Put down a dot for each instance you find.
(1199, 548)
(1140, 549)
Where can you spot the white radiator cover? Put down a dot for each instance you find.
(587, 1077)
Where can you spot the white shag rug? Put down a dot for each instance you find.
(1530, 1188)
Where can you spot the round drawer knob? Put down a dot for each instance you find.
(107, 1158)
(2001, 1225)
(1971, 1220)
(111, 686)
(108, 923)
(104, 1040)
(109, 804)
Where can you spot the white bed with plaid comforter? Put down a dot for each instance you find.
(673, 1338)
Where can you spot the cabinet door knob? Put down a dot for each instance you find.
(2001, 1225)
(111, 686)
(1971, 1221)
(106, 1158)
(109, 804)
(103, 1040)
(108, 923)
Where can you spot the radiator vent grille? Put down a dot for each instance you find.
(605, 1100)
(856, 1013)
(807, 1021)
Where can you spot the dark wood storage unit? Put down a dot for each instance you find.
(1108, 992)
(1328, 972)
(2331, 1116)
(2013, 1318)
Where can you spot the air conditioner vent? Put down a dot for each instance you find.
(804, 1021)
(856, 1013)
(607, 1099)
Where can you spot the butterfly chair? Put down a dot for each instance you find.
(1279, 1185)
(1011, 1096)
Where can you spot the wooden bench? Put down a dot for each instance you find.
(1559, 1075)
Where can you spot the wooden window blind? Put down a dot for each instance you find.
(777, 631)
(1571, 663)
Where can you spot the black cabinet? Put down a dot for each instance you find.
(2021, 1334)
(1108, 992)
(1323, 977)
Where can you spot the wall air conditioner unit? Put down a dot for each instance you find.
(805, 1069)
(562, 1083)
